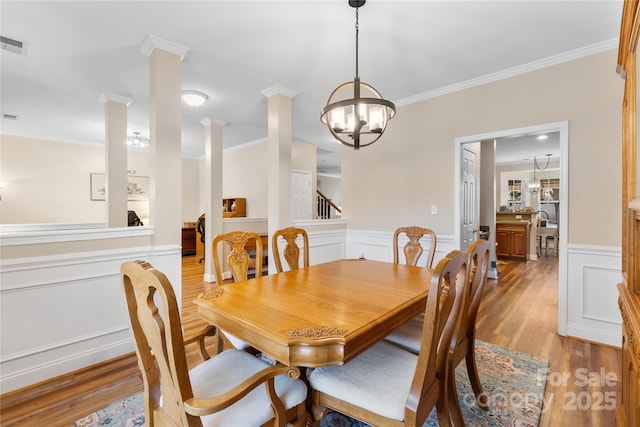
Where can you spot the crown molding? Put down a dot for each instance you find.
(151, 42)
(511, 72)
(104, 97)
(209, 121)
(279, 90)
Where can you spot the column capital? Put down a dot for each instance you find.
(279, 89)
(104, 97)
(151, 42)
(209, 121)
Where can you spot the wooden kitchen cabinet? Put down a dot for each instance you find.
(512, 240)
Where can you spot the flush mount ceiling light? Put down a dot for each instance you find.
(194, 98)
(136, 141)
(356, 114)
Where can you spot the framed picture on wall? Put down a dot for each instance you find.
(137, 187)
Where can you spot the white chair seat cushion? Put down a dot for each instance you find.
(377, 380)
(236, 342)
(408, 336)
(228, 369)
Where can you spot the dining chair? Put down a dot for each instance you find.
(388, 386)
(413, 249)
(412, 252)
(239, 262)
(463, 343)
(198, 336)
(462, 346)
(291, 251)
(224, 390)
(200, 227)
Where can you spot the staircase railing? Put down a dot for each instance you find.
(326, 208)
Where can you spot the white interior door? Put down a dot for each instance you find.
(301, 198)
(469, 214)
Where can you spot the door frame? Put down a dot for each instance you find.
(563, 129)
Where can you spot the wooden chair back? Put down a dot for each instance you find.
(413, 249)
(291, 251)
(238, 260)
(478, 254)
(463, 342)
(159, 344)
(442, 314)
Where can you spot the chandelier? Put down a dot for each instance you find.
(136, 141)
(356, 114)
(533, 186)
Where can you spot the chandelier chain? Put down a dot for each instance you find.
(535, 162)
(357, 32)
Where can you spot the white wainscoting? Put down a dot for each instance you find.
(378, 245)
(592, 275)
(61, 313)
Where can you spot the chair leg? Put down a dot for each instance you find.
(210, 331)
(474, 379)
(220, 342)
(443, 411)
(454, 409)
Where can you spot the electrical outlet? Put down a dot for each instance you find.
(434, 209)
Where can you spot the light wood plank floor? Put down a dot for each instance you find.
(519, 311)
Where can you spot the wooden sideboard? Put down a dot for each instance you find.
(188, 241)
(628, 413)
(234, 208)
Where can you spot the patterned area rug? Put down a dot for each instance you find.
(514, 382)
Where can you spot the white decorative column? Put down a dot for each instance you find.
(488, 205)
(212, 189)
(115, 119)
(279, 124)
(165, 160)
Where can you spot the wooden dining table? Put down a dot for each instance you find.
(325, 314)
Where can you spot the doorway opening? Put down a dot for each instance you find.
(492, 199)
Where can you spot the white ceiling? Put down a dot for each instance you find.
(520, 149)
(409, 50)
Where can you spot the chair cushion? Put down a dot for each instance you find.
(408, 336)
(228, 369)
(237, 342)
(377, 380)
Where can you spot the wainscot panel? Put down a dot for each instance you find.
(593, 313)
(60, 313)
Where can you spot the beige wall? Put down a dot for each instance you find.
(244, 174)
(330, 186)
(395, 181)
(49, 181)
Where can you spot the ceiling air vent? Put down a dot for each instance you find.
(12, 45)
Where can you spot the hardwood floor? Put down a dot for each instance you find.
(519, 311)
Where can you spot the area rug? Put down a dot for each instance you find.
(514, 383)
